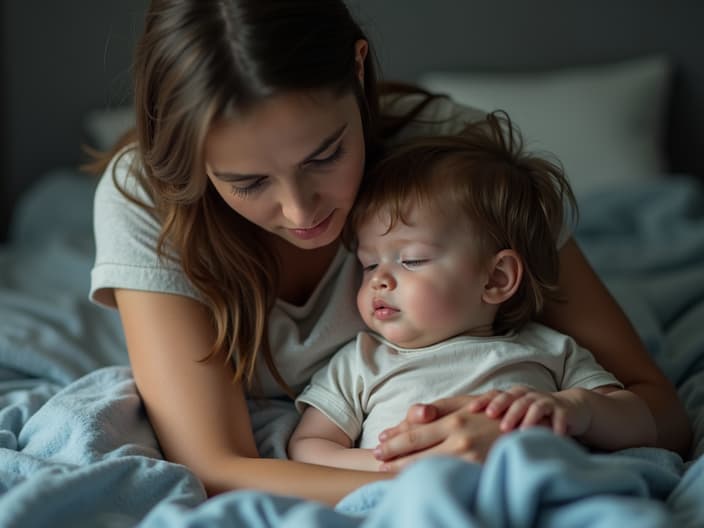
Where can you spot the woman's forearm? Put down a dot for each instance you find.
(327, 453)
(671, 422)
(285, 477)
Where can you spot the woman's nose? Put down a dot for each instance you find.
(298, 206)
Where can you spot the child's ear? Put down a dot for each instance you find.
(505, 274)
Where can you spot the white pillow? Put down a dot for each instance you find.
(604, 123)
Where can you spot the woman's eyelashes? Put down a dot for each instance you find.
(248, 190)
(257, 185)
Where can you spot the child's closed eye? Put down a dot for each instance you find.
(414, 263)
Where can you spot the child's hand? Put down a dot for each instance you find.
(523, 407)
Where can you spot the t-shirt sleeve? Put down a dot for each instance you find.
(582, 370)
(126, 237)
(333, 390)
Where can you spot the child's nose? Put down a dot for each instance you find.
(383, 280)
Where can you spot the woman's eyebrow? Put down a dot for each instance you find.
(324, 145)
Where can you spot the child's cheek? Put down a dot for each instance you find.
(434, 306)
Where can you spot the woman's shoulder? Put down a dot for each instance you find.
(440, 115)
(122, 207)
(120, 179)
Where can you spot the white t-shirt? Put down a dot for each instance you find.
(302, 338)
(369, 384)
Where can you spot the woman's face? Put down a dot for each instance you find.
(292, 164)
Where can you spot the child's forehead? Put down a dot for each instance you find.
(414, 219)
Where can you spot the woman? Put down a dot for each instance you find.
(217, 229)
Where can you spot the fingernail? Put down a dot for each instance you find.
(382, 436)
(384, 467)
(377, 452)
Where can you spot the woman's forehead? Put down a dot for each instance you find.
(286, 126)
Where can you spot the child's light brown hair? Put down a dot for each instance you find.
(514, 199)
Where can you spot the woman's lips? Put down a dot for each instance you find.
(313, 232)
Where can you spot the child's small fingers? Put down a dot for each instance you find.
(536, 412)
(499, 404)
(515, 414)
(559, 421)
(480, 402)
(518, 391)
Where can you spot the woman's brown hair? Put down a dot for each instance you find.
(512, 198)
(196, 62)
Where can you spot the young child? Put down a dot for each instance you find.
(458, 238)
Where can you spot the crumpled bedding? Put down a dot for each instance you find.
(76, 448)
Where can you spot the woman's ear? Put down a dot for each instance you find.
(505, 274)
(361, 48)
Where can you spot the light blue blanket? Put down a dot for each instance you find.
(76, 448)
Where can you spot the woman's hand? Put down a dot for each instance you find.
(445, 427)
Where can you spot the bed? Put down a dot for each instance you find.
(615, 90)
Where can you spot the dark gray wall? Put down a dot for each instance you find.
(59, 60)
(419, 35)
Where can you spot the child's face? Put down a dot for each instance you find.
(423, 282)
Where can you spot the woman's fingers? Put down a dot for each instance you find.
(409, 440)
(398, 464)
(417, 414)
(391, 432)
(438, 408)
(482, 401)
(463, 434)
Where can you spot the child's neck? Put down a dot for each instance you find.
(480, 331)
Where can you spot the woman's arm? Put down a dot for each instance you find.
(199, 415)
(318, 440)
(593, 318)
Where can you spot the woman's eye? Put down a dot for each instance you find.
(368, 268)
(248, 190)
(319, 162)
(413, 263)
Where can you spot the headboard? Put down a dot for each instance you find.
(60, 60)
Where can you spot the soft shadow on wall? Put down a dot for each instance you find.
(59, 60)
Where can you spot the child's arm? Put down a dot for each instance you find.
(606, 417)
(317, 440)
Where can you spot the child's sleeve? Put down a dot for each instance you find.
(335, 389)
(582, 370)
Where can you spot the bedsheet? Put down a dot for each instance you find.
(76, 448)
